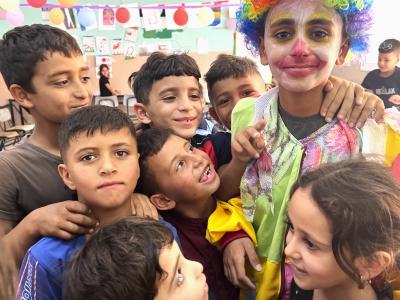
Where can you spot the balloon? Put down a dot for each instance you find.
(181, 16)
(86, 17)
(2, 14)
(206, 16)
(15, 17)
(67, 3)
(9, 5)
(36, 3)
(231, 24)
(56, 16)
(122, 15)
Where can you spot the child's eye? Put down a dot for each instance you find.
(121, 153)
(195, 96)
(180, 279)
(169, 98)
(191, 149)
(180, 165)
(318, 34)
(282, 35)
(249, 93)
(85, 78)
(88, 157)
(310, 245)
(61, 83)
(223, 102)
(289, 225)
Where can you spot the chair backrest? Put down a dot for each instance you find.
(129, 100)
(106, 100)
(5, 117)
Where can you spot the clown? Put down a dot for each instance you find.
(301, 41)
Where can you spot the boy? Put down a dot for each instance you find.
(44, 71)
(180, 181)
(121, 262)
(98, 147)
(301, 48)
(385, 81)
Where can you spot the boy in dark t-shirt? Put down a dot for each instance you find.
(385, 81)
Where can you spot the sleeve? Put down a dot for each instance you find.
(229, 217)
(242, 115)
(36, 283)
(366, 82)
(222, 147)
(8, 192)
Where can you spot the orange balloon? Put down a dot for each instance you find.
(67, 3)
(56, 16)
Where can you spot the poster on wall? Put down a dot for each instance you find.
(134, 15)
(106, 19)
(169, 19)
(131, 34)
(116, 47)
(130, 50)
(104, 59)
(102, 45)
(89, 44)
(69, 18)
(152, 18)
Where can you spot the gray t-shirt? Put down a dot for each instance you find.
(29, 179)
(301, 127)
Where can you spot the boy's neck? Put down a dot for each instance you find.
(386, 74)
(351, 292)
(197, 209)
(45, 136)
(301, 104)
(107, 216)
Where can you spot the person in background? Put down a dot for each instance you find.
(105, 86)
(385, 81)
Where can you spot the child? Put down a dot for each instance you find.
(44, 70)
(344, 230)
(121, 262)
(104, 82)
(385, 81)
(98, 147)
(180, 181)
(301, 48)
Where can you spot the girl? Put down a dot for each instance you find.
(344, 230)
(104, 83)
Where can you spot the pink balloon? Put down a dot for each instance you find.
(2, 14)
(15, 17)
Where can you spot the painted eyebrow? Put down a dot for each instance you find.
(320, 21)
(175, 268)
(282, 22)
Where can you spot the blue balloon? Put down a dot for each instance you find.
(86, 17)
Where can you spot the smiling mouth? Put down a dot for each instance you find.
(205, 176)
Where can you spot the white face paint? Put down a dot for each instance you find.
(301, 44)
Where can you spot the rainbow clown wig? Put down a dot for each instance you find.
(356, 15)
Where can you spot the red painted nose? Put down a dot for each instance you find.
(299, 48)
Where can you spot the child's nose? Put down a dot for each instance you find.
(107, 166)
(290, 248)
(300, 48)
(185, 103)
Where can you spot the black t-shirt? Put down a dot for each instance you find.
(104, 91)
(384, 88)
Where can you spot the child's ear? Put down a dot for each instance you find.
(141, 113)
(66, 177)
(213, 114)
(372, 266)
(20, 95)
(344, 49)
(263, 53)
(162, 202)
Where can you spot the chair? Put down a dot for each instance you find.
(7, 121)
(7, 137)
(106, 100)
(129, 101)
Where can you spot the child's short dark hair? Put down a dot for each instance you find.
(229, 66)
(120, 262)
(103, 66)
(23, 47)
(91, 119)
(362, 203)
(389, 45)
(150, 142)
(158, 66)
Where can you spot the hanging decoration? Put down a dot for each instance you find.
(122, 15)
(9, 5)
(56, 16)
(86, 17)
(181, 16)
(15, 17)
(206, 16)
(67, 3)
(36, 3)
